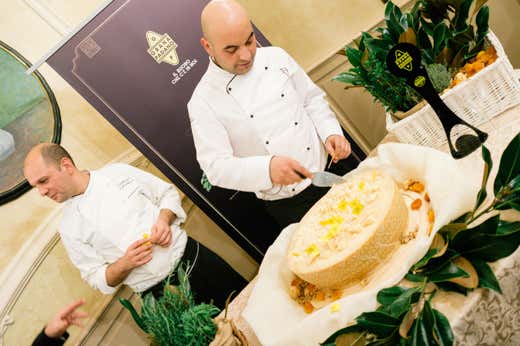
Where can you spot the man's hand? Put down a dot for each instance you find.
(137, 254)
(65, 318)
(338, 147)
(286, 171)
(161, 233)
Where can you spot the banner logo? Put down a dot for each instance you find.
(162, 48)
(403, 60)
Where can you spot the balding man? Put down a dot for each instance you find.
(121, 225)
(259, 123)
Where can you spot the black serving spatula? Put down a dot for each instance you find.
(404, 60)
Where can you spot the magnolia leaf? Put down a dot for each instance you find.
(506, 227)
(452, 229)
(488, 165)
(486, 242)
(408, 36)
(419, 335)
(509, 195)
(447, 272)
(472, 280)
(351, 339)
(509, 164)
(378, 322)
(442, 330)
(354, 329)
(386, 296)
(487, 278)
(402, 303)
(410, 317)
(439, 244)
(423, 261)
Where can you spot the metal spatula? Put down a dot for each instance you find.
(326, 179)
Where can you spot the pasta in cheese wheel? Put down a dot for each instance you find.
(349, 231)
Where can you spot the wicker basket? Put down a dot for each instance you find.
(486, 94)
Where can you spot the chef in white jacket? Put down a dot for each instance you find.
(121, 225)
(259, 123)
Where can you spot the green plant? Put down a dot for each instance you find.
(456, 261)
(174, 319)
(441, 29)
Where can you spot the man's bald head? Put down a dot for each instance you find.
(49, 168)
(218, 14)
(228, 35)
(50, 153)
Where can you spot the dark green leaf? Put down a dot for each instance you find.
(427, 26)
(509, 195)
(347, 77)
(446, 272)
(350, 329)
(509, 164)
(387, 295)
(423, 261)
(451, 287)
(428, 319)
(414, 277)
(418, 335)
(462, 15)
(486, 242)
(389, 9)
(354, 56)
(402, 303)
(505, 227)
(478, 5)
(486, 277)
(439, 37)
(442, 329)
(482, 23)
(378, 322)
(458, 59)
(138, 320)
(451, 229)
(488, 165)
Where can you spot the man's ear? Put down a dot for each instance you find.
(67, 165)
(207, 46)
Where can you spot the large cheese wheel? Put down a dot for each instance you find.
(349, 231)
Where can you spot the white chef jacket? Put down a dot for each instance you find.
(239, 122)
(120, 204)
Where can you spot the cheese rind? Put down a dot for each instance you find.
(349, 231)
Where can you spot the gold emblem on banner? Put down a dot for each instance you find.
(403, 60)
(162, 48)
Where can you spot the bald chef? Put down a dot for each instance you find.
(259, 123)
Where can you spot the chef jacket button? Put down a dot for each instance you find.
(266, 68)
(283, 95)
(308, 148)
(229, 89)
(266, 142)
(295, 123)
(251, 116)
(293, 189)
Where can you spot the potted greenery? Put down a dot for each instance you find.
(175, 320)
(455, 44)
